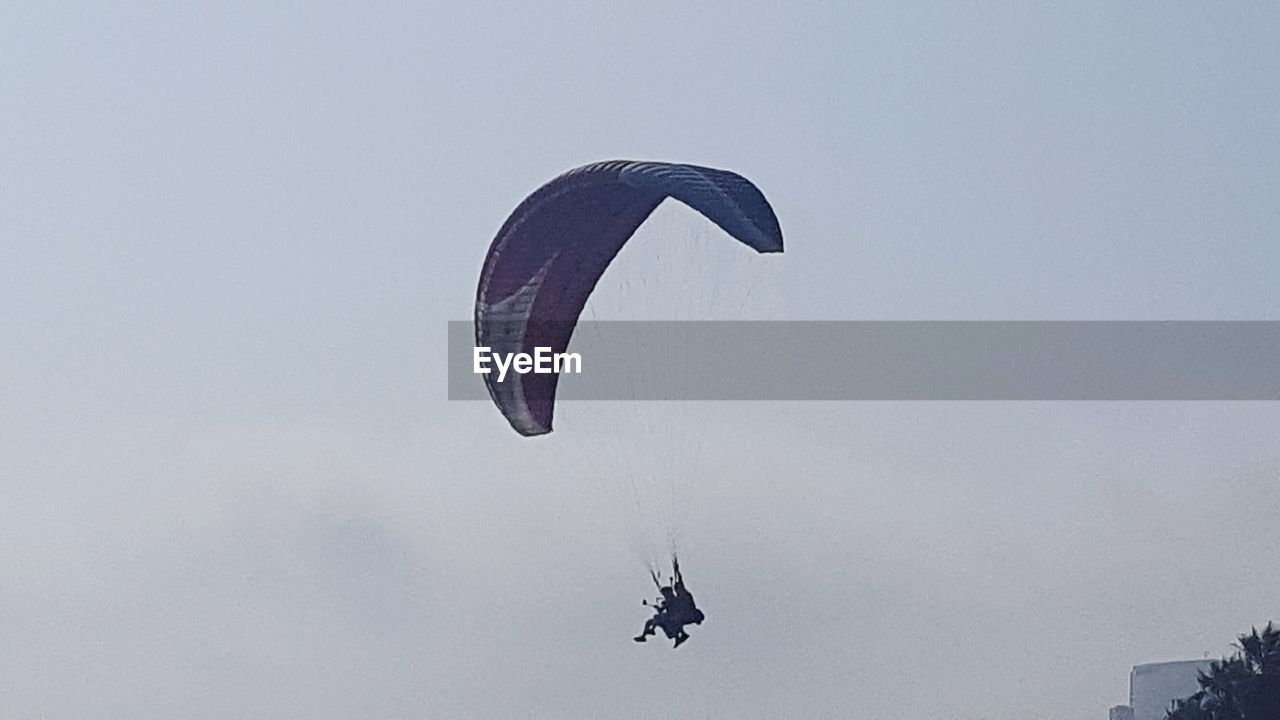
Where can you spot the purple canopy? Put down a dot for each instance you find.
(549, 254)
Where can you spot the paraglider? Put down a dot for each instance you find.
(552, 250)
(548, 257)
(674, 609)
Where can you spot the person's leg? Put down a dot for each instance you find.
(648, 630)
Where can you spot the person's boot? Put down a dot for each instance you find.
(679, 639)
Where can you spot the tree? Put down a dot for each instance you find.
(1245, 686)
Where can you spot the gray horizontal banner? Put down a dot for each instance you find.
(970, 360)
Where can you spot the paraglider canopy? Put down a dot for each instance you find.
(550, 253)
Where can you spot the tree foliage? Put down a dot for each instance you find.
(1245, 686)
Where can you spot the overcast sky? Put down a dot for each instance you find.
(231, 236)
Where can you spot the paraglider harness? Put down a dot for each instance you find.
(674, 607)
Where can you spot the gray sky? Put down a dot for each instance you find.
(231, 237)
